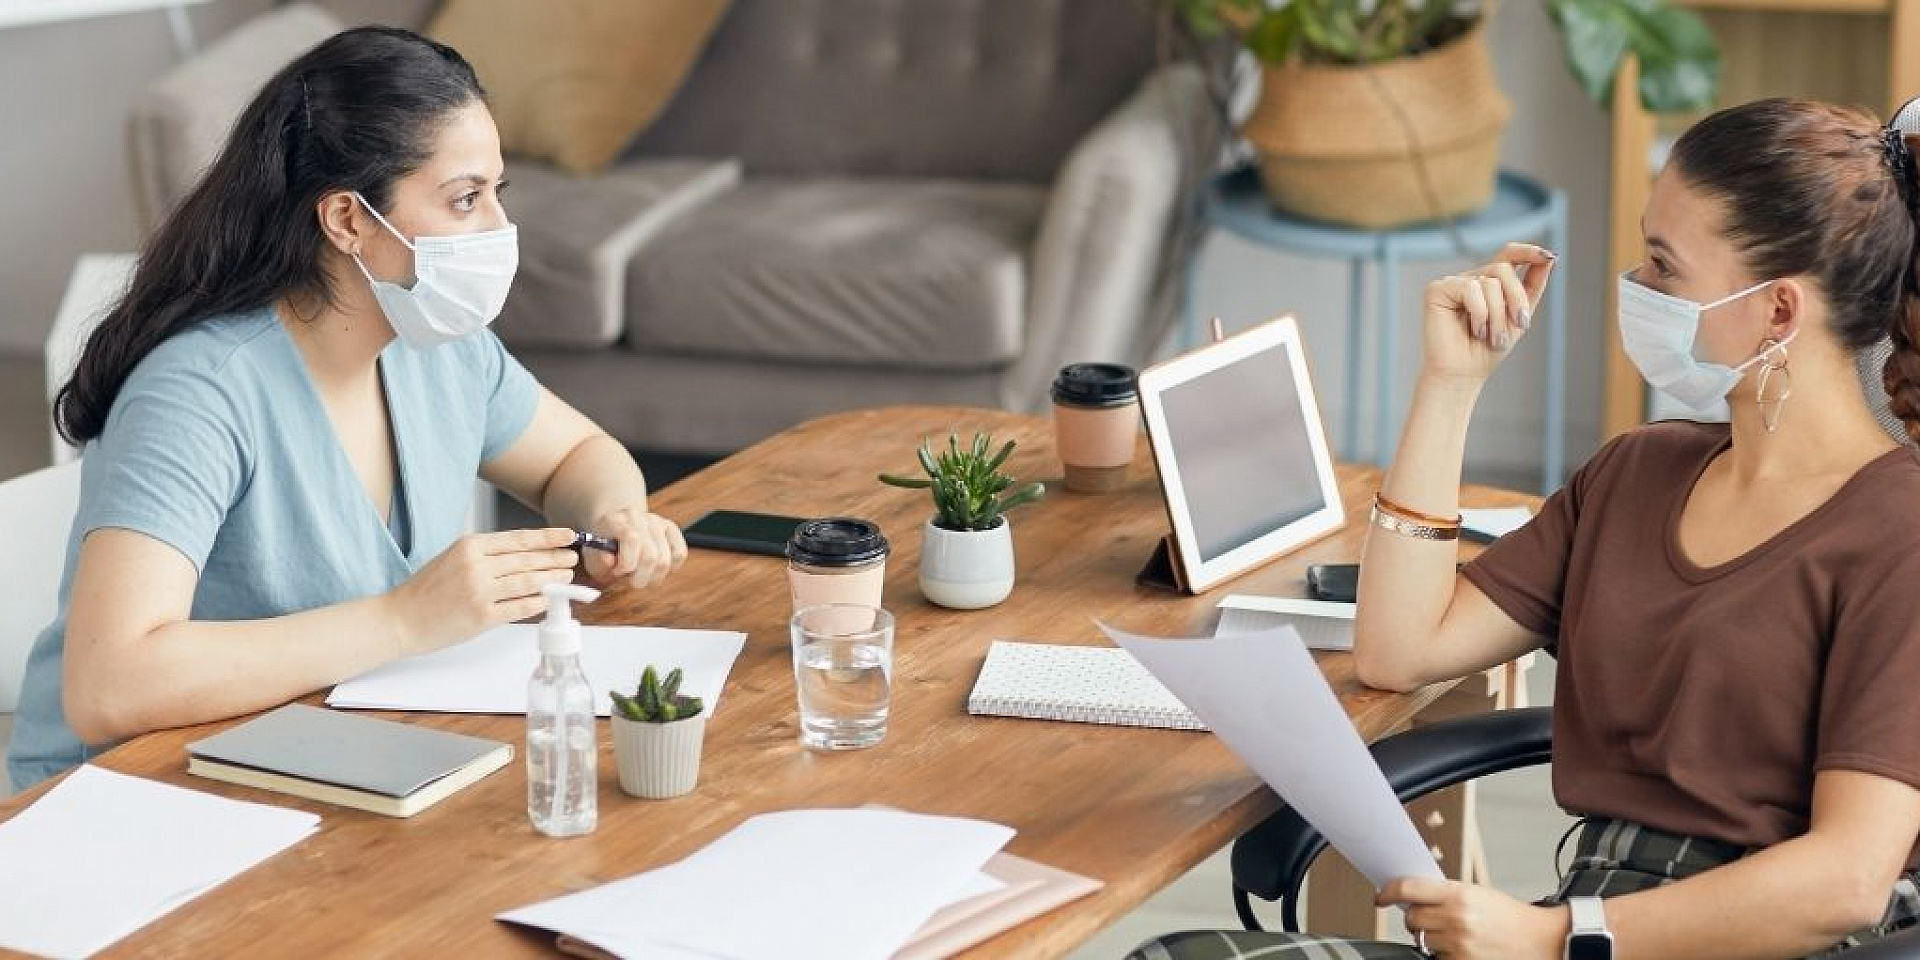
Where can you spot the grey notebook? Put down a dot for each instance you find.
(358, 753)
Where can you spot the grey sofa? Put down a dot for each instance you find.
(850, 203)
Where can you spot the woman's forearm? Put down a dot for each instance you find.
(196, 671)
(1789, 900)
(596, 478)
(1407, 583)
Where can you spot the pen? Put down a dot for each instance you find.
(582, 539)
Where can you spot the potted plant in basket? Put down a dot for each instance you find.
(657, 734)
(1378, 113)
(966, 561)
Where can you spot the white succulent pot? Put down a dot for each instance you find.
(967, 569)
(658, 760)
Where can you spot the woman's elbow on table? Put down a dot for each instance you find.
(1383, 671)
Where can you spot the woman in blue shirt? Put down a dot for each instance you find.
(283, 418)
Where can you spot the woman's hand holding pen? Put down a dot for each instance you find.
(482, 581)
(647, 548)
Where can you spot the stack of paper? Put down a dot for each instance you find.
(828, 884)
(488, 674)
(104, 854)
(1487, 526)
(1323, 624)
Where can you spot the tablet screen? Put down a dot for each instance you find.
(1240, 441)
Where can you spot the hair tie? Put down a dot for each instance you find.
(1900, 159)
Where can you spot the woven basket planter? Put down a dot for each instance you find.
(1345, 144)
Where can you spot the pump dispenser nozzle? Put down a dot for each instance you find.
(560, 632)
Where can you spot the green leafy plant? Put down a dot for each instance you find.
(1679, 59)
(969, 491)
(657, 701)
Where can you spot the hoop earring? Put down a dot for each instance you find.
(1770, 419)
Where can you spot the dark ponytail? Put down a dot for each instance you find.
(1823, 191)
(357, 112)
(1901, 376)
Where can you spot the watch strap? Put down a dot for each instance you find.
(1588, 915)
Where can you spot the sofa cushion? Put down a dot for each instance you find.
(954, 89)
(577, 235)
(179, 125)
(599, 72)
(928, 275)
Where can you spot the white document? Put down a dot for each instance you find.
(104, 854)
(1494, 524)
(489, 673)
(796, 885)
(1266, 698)
(1323, 624)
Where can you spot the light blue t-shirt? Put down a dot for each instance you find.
(219, 446)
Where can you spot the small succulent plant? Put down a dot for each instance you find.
(969, 491)
(657, 701)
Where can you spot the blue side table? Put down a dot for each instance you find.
(1520, 209)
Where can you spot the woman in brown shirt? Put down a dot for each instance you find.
(1735, 608)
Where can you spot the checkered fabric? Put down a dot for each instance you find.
(1611, 857)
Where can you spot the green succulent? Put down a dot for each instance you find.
(657, 701)
(969, 491)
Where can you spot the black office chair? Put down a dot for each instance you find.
(1271, 860)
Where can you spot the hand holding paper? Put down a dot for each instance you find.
(1264, 696)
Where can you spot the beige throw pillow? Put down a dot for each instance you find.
(574, 81)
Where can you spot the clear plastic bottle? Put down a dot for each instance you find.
(562, 741)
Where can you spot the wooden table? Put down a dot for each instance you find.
(1135, 808)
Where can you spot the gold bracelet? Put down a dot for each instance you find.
(1409, 528)
(1408, 513)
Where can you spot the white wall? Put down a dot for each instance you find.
(1557, 136)
(65, 90)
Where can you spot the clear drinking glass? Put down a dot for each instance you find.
(843, 669)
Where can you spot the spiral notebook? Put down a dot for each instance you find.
(1040, 681)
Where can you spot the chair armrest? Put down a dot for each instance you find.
(1904, 945)
(178, 126)
(1271, 860)
(1098, 258)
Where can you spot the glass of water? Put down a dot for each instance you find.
(843, 668)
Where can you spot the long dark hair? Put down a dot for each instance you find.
(357, 112)
(1811, 188)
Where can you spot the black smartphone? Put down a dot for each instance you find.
(1339, 582)
(741, 532)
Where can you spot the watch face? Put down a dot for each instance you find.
(1590, 946)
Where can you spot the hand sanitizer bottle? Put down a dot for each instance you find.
(562, 742)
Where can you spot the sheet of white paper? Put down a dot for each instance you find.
(1495, 523)
(488, 674)
(104, 854)
(1323, 624)
(797, 885)
(1266, 698)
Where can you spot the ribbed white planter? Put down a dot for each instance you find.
(967, 569)
(658, 760)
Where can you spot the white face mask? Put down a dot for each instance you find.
(1660, 333)
(460, 283)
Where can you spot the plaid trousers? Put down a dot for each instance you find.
(1611, 857)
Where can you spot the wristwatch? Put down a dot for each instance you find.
(1589, 938)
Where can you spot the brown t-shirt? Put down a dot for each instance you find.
(1702, 701)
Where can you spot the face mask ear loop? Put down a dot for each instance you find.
(383, 222)
(1772, 407)
(1729, 298)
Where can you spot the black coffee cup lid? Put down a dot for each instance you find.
(836, 542)
(1095, 385)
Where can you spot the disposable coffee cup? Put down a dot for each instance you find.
(841, 560)
(1096, 422)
